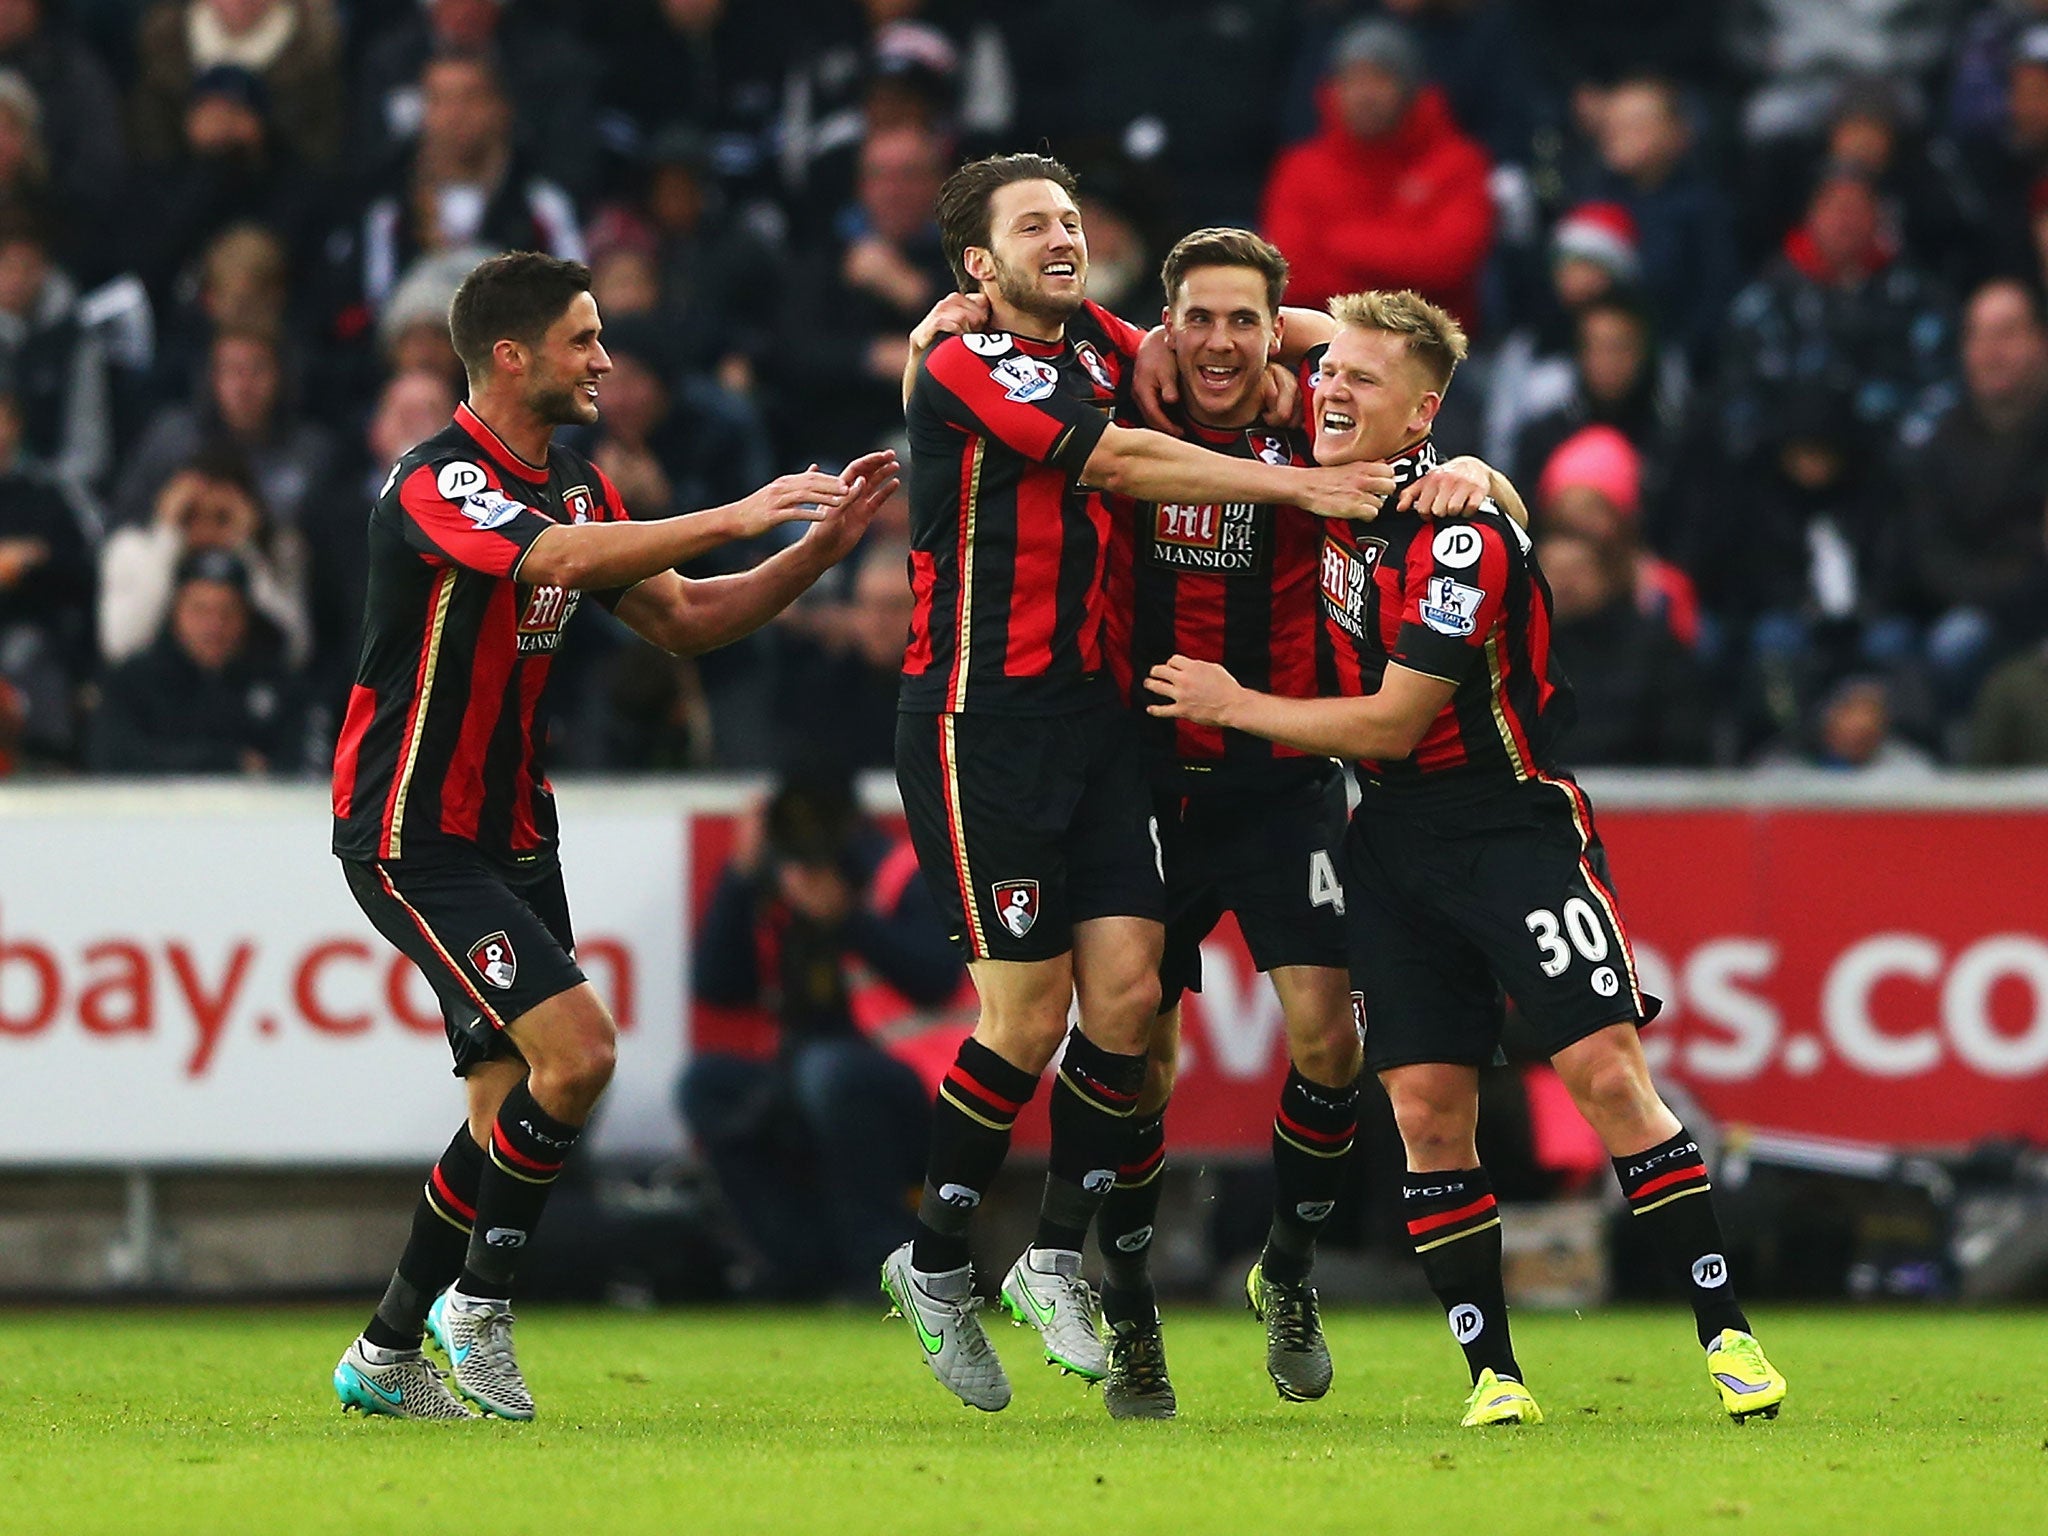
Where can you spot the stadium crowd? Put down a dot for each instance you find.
(1755, 287)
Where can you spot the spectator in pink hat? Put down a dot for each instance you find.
(1593, 485)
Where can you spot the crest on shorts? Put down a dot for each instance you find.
(1016, 905)
(494, 960)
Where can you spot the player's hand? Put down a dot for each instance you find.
(866, 484)
(1199, 691)
(954, 315)
(1457, 488)
(1280, 397)
(804, 498)
(1352, 492)
(1155, 382)
(18, 557)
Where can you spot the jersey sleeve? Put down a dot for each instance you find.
(611, 509)
(450, 512)
(1453, 592)
(1015, 399)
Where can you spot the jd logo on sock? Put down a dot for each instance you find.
(1467, 1322)
(1097, 1181)
(1315, 1210)
(1132, 1242)
(959, 1196)
(1709, 1270)
(505, 1237)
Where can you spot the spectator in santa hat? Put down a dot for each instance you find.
(1593, 486)
(1590, 357)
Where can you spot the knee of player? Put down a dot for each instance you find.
(1429, 1125)
(1330, 1056)
(1120, 1009)
(1615, 1088)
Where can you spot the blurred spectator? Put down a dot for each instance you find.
(657, 718)
(206, 505)
(294, 45)
(549, 76)
(838, 676)
(1615, 377)
(1189, 95)
(1839, 311)
(1462, 42)
(1871, 130)
(1976, 485)
(718, 280)
(1593, 486)
(672, 443)
(1593, 254)
(410, 408)
(1685, 232)
(852, 304)
(1640, 698)
(412, 332)
(242, 402)
(463, 183)
(1796, 552)
(1983, 61)
(58, 366)
(207, 696)
(243, 278)
(1852, 732)
(1796, 52)
(714, 67)
(78, 108)
(46, 602)
(226, 168)
(1389, 194)
(821, 923)
(1601, 41)
(937, 65)
(2009, 723)
(2009, 159)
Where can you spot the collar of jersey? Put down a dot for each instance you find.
(496, 446)
(1031, 346)
(1412, 465)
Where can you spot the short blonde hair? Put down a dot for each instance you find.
(1434, 339)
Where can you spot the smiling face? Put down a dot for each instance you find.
(564, 369)
(1222, 331)
(1036, 261)
(1372, 398)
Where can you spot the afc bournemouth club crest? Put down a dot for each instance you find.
(1098, 370)
(494, 961)
(1016, 905)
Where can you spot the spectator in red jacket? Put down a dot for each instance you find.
(1389, 194)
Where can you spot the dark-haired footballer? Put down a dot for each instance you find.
(1471, 862)
(484, 539)
(1018, 763)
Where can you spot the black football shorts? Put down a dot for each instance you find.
(1027, 825)
(492, 942)
(1451, 913)
(1269, 856)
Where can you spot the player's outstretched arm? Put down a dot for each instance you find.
(1150, 466)
(1384, 726)
(598, 557)
(687, 618)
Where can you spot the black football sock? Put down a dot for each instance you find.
(527, 1149)
(1670, 1194)
(433, 1253)
(972, 1117)
(1124, 1224)
(1092, 1104)
(1454, 1227)
(1312, 1136)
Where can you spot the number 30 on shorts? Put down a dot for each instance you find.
(1581, 925)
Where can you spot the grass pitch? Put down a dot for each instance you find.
(139, 1422)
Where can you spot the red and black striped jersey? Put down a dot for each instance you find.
(1232, 583)
(1464, 601)
(439, 743)
(1007, 545)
